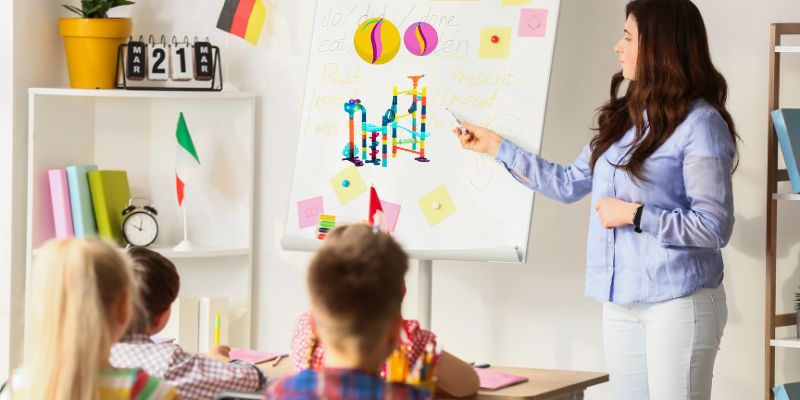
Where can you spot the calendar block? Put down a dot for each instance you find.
(157, 62)
(203, 61)
(136, 60)
(181, 62)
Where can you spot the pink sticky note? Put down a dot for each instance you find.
(308, 211)
(251, 356)
(493, 380)
(532, 22)
(391, 211)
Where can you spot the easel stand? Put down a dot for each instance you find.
(425, 285)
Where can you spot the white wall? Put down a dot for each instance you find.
(6, 145)
(532, 314)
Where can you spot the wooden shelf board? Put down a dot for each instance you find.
(143, 94)
(199, 253)
(787, 342)
(787, 49)
(786, 196)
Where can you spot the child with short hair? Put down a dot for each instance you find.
(195, 376)
(80, 304)
(355, 282)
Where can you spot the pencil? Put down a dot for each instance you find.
(217, 324)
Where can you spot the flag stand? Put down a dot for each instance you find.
(185, 244)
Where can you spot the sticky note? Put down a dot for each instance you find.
(440, 197)
(532, 22)
(391, 211)
(355, 185)
(308, 211)
(497, 48)
(515, 2)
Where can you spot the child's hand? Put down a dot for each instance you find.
(479, 139)
(220, 353)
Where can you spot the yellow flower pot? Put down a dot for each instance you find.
(91, 45)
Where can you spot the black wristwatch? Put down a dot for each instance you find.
(637, 219)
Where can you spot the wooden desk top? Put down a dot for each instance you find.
(543, 384)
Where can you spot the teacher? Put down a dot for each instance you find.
(659, 170)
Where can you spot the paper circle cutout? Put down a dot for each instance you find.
(421, 39)
(377, 41)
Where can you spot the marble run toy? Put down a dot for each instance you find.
(370, 154)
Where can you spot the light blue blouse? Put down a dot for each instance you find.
(687, 217)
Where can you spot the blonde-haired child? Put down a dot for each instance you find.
(80, 304)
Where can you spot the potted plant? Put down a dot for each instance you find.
(91, 42)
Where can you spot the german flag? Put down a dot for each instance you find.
(243, 18)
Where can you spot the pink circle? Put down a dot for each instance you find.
(421, 38)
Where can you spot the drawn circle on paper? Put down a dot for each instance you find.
(421, 39)
(377, 41)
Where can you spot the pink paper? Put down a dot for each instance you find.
(532, 22)
(493, 380)
(251, 356)
(308, 211)
(59, 195)
(391, 211)
(162, 340)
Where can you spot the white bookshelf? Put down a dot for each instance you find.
(135, 131)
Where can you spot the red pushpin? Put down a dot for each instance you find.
(495, 38)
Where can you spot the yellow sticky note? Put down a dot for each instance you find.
(495, 42)
(515, 2)
(437, 205)
(348, 184)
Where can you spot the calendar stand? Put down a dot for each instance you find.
(122, 81)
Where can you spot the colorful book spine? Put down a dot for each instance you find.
(59, 196)
(80, 198)
(787, 128)
(110, 195)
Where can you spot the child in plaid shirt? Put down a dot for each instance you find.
(355, 282)
(195, 376)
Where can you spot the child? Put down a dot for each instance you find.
(195, 376)
(355, 282)
(80, 304)
(454, 376)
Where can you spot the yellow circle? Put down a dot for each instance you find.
(377, 41)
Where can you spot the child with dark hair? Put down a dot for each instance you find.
(195, 376)
(356, 285)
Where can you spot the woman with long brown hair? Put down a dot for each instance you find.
(659, 170)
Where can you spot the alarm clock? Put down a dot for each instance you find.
(139, 225)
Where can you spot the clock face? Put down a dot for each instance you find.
(140, 229)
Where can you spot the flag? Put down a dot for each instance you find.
(374, 205)
(243, 18)
(187, 161)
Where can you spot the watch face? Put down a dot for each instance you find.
(140, 229)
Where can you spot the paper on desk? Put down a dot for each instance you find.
(251, 356)
(493, 380)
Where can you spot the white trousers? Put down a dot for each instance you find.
(664, 350)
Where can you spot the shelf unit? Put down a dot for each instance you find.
(135, 131)
(775, 175)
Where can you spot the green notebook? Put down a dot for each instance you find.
(110, 195)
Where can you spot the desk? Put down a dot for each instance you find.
(543, 384)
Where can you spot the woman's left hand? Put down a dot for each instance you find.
(614, 213)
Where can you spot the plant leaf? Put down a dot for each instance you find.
(74, 9)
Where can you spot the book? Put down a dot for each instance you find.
(230, 395)
(789, 391)
(183, 323)
(59, 197)
(80, 199)
(110, 195)
(493, 380)
(252, 356)
(787, 128)
(209, 307)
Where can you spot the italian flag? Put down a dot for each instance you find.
(187, 161)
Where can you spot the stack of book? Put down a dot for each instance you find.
(88, 202)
